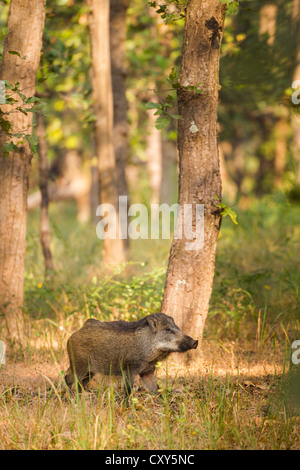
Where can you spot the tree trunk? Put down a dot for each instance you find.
(229, 186)
(296, 76)
(25, 23)
(43, 184)
(72, 181)
(113, 249)
(190, 272)
(154, 157)
(296, 23)
(95, 187)
(118, 29)
(94, 191)
(267, 22)
(168, 187)
(281, 132)
(267, 121)
(238, 161)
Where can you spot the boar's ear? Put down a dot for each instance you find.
(152, 322)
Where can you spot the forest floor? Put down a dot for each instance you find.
(235, 398)
(242, 394)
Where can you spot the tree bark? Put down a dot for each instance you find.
(281, 133)
(95, 187)
(154, 158)
(25, 23)
(43, 184)
(238, 160)
(190, 272)
(228, 185)
(118, 29)
(267, 22)
(296, 76)
(169, 172)
(113, 249)
(72, 181)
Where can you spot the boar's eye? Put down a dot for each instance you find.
(168, 330)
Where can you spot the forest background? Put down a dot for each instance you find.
(240, 394)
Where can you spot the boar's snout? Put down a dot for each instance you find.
(188, 343)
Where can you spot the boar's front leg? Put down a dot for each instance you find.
(149, 380)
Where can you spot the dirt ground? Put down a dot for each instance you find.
(251, 368)
(230, 399)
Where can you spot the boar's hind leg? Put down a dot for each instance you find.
(84, 382)
(83, 379)
(150, 381)
(69, 378)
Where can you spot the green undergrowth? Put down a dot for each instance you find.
(243, 394)
(256, 291)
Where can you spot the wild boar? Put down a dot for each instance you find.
(124, 348)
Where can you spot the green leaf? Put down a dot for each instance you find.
(195, 88)
(9, 147)
(23, 97)
(228, 211)
(233, 9)
(22, 111)
(16, 53)
(3, 32)
(32, 99)
(5, 125)
(162, 122)
(174, 75)
(176, 116)
(232, 6)
(171, 99)
(152, 105)
(50, 75)
(10, 100)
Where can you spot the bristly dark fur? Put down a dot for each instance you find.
(119, 325)
(124, 348)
